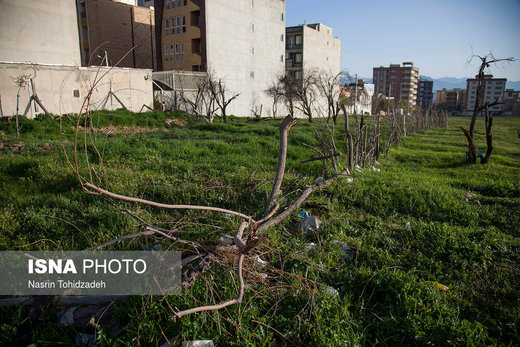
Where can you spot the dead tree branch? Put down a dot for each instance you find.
(285, 127)
(157, 204)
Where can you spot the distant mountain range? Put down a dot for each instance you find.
(452, 82)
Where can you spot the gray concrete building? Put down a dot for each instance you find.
(311, 46)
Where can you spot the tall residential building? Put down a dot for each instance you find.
(424, 93)
(113, 28)
(492, 88)
(240, 41)
(399, 81)
(309, 47)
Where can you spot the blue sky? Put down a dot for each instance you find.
(437, 35)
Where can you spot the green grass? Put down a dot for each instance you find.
(427, 217)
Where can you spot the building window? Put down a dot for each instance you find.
(281, 37)
(252, 74)
(179, 51)
(168, 4)
(299, 39)
(287, 55)
(281, 16)
(183, 24)
(252, 51)
(297, 75)
(185, 2)
(166, 27)
(166, 53)
(252, 3)
(281, 58)
(298, 58)
(178, 21)
(179, 3)
(173, 3)
(172, 25)
(251, 27)
(171, 52)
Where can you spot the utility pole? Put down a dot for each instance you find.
(355, 97)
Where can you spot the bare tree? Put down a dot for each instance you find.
(482, 107)
(22, 82)
(277, 93)
(249, 234)
(201, 101)
(219, 92)
(330, 87)
(283, 89)
(306, 90)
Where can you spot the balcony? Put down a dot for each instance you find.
(195, 18)
(292, 63)
(293, 46)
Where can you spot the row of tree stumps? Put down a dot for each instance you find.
(370, 137)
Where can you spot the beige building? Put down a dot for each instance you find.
(493, 90)
(450, 100)
(113, 28)
(239, 41)
(399, 81)
(310, 47)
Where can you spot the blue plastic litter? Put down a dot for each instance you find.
(480, 155)
(303, 214)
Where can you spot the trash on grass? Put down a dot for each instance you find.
(439, 286)
(303, 214)
(198, 343)
(310, 223)
(332, 291)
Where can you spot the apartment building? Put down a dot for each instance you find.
(425, 93)
(311, 46)
(112, 28)
(399, 81)
(452, 100)
(241, 42)
(492, 88)
(511, 102)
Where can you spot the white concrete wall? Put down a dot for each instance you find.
(229, 42)
(55, 87)
(39, 31)
(321, 49)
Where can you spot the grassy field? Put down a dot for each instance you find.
(435, 243)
